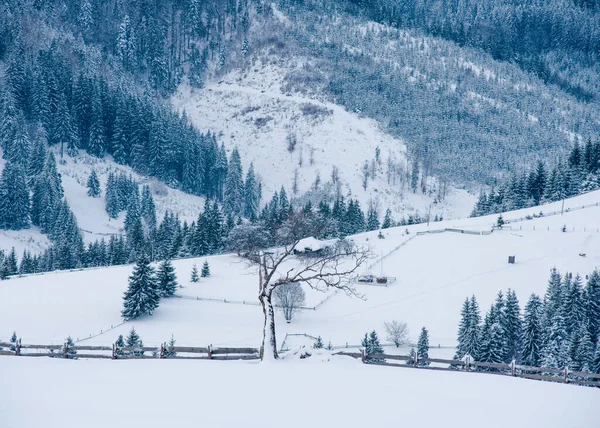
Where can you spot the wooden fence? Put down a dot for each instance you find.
(512, 369)
(115, 352)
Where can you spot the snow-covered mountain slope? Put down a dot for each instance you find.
(435, 273)
(250, 109)
(320, 391)
(91, 214)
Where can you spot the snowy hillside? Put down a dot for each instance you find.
(91, 214)
(250, 109)
(435, 272)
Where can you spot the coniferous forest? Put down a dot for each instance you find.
(557, 331)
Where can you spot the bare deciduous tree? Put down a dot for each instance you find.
(397, 332)
(290, 297)
(281, 267)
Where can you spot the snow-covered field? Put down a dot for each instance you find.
(434, 272)
(315, 392)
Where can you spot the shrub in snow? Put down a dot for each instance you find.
(289, 297)
(397, 332)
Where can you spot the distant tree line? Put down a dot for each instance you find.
(576, 173)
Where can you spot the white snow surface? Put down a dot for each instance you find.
(435, 272)
(321, 391)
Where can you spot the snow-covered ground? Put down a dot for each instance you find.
(434, 272)
(318, 392)
(250, 110)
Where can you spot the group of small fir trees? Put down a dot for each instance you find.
(146, 287)
(204, 273)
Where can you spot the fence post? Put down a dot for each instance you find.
(467, 362)
(18, 347)
(513, 371)
(363, 357)
(416, 360)
(66, 350)
(209, 352)
(114, 351)
(566, 374)
(162, 350)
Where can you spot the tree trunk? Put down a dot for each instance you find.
(269, 343)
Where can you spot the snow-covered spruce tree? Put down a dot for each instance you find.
(328, 271)
(573, 307)
(68, 350)
(592, 306)
(205, 270)
(595, 367)
(555, 353)
(142, 296)
(472, 339)
(9, 265)
(166, 279)
(423, 348)
(387, 219)
(120, 343)
(169, 352)
(133, 340)
(513, 327)
(93, 185)
(251, 195)
(371, 345)
(532, 332)
(464, 328)
(15, 206)
(194, 277)
(148, 209)
(13, 341)
(372, 217)
(319, 343)
(233, 195)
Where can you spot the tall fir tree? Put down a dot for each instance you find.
(423, 348)
(251, 195)
(142, 295)
(513, 327)
(233, 193)
(15, 206)
(166, 279)
(532, 332)
(93, 185)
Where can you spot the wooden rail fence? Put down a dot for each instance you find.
(512, 369)
(115, 352)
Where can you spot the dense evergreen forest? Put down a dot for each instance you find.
(467, 114)
(559, 40)
(557, 331)
(579, 172)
